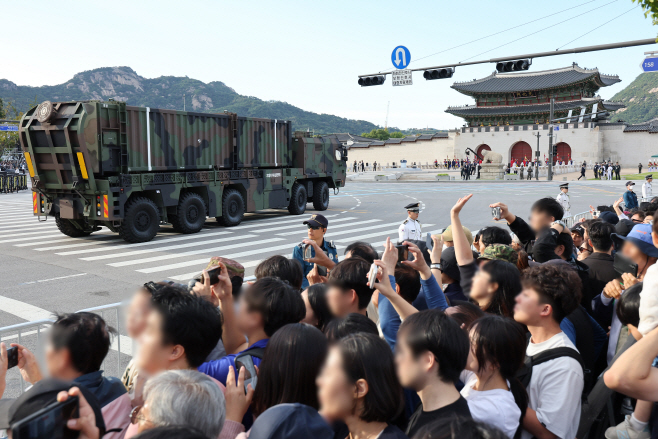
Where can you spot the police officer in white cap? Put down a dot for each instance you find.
(646, 187)
(410, 228)
(563, 199)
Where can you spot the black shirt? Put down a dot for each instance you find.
(421, 418)
(390, 432)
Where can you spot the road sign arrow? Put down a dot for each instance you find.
(398, 61)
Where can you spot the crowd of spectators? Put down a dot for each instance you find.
(534, 330)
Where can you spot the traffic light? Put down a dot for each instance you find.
(439, 73)
(366, 81)
(513, 66)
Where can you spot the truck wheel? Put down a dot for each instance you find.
(67, 227)
(190, 214)
(321, 196)
(141, 221)
(298, 199)
(233, 207)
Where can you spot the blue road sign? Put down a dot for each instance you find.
(401, 57)
(650, 65)
(8, 127)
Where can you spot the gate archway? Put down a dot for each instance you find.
(563, 152)
(520, 151)
(482, 148)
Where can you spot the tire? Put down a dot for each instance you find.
(190, 214)
(233, 207)
(67, 227)
(321, 195)
(298, 199)
(141, 220)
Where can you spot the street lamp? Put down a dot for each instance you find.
(537, 157)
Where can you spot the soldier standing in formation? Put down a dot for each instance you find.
(410, 228)
(563, 199)
(323, 252)
(646, 187)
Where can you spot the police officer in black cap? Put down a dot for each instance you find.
(410, 228)
(322, 252)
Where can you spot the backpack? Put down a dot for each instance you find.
(525, 373)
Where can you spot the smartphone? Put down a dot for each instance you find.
(308, 251)
(403, 252)
(495, 212)
(49, 422)
(213, 274)
(12, 357)
(250, 377)
(623, 265)
(322, 271)
(372, 275)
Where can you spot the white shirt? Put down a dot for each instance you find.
(409, 229)
(494, 407)
(555, 389)
(564, 201)
(646, 190)
(649, 301)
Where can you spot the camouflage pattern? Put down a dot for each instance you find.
(500, 252)
(189, 152)
(234, 268)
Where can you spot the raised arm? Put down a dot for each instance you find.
(463, 251)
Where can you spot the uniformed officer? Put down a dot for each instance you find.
(563, 199)
(323, 252)
(410, 228)
(646, 187)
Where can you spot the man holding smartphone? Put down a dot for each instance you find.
(315, 251)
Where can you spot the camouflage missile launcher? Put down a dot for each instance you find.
(131, 169)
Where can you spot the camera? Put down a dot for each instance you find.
(372, 275)
(403, 252)
(495, 212)
(213, 274)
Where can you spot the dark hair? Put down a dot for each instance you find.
(495, 235)
(553, 283)
(432, 330)
(317, 298)
(605, 208)
(523, 261)
(351, 274)
(600, 233)
(565, 240)
(409, 281)
(291, 363)
(189, 321)
(279, 266)
(368, 357)
(645, 207)
(464, 313)
(85, 335)
(236, 285)
(501, 342)
(276, 301)
(588, 223)
(639, 213)
(549, 206)
(508, 278)
(452, 426)
(171, 432)
(628, 306)
(363, 250)
(353, 323)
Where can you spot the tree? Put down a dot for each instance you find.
(650, 9)
(397, 135)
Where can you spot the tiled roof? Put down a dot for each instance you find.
(346, 137)
(530, 81)
(410, 139)
(613, 105)
(393, 141)
(440, 135)
(641, 127)
(472, 110)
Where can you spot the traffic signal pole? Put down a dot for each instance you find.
(538, 55)
(550, 140)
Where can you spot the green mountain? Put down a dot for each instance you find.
(641, 99)
(124, 84)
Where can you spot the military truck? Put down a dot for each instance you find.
(131, 169)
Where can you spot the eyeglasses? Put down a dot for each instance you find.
(136, 417)
(310, 227)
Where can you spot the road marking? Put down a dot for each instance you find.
(192, 253)
(24, 310)
(23, 226)
(53, 278)
(371, 235)
(271, 229)
(169, 247)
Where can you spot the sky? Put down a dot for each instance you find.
(310, 53)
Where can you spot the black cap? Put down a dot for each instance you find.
(449, 264)
(41, 395)
(413, 207)
(624, 227)
(578, 229)
(650, 176)
(317, 221)
(564, 186)
(630, 183)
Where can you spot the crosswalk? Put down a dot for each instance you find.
(180, 257)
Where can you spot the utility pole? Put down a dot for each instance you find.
(537, 157)
(550, 140)
(183, 101)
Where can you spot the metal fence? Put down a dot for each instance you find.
(29, 334)
(11, 182)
